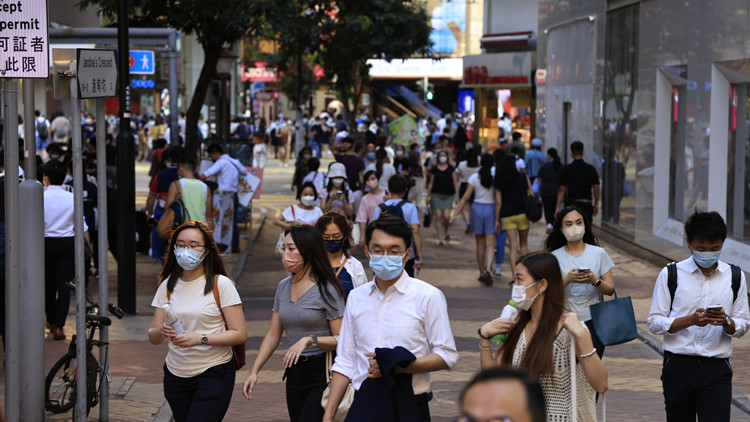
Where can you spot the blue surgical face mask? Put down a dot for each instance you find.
(387, 267)
(188, 258)
(706, 259)
(370, 155)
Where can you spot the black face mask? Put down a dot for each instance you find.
(334, 246)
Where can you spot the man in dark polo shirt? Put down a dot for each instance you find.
(578, 178)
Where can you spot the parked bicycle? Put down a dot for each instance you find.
(60, 387)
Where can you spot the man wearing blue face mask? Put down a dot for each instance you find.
(392, 310)
(699, 308)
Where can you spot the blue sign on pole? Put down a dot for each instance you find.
(142, 62)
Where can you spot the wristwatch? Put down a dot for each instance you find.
(727, 321)
(314, 340)
(204, 339)
(598, 282)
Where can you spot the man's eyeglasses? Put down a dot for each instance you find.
(379, 253)
(467, 418)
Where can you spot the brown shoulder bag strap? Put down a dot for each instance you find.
(216, 297)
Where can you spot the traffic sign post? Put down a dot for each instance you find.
(142, 62)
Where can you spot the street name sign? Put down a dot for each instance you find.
(96, 73)
(142, 62)
(24, 40)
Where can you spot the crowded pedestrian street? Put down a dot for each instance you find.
(136, 387)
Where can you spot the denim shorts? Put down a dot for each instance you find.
(483, 218)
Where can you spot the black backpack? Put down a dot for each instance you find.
(672, 281)
(394, 209)
(41, 129)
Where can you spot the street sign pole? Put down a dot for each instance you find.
(125, 174)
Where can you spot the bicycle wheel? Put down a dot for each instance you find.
(60, 384)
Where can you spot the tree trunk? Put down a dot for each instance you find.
(211, 58)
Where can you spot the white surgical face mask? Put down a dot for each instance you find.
(307, 200)
(574, 233)
(443, 159)
(337, 182)
(518, 295)
(399, 153)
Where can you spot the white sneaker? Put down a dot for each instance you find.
(497, 269)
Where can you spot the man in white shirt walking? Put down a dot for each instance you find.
(59, 247)
(227, 171)
(698, 308)
(392, 310)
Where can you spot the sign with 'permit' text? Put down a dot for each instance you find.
(24, 41)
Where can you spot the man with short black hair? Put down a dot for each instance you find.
(392, 310)
(59, 247)
(501, 394)
(398, 186)
(699, 304)
(577, 180)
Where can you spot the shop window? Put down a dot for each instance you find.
(681, 166)
(738, 164)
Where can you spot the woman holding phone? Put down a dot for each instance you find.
(586, 267)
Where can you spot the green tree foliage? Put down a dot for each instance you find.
(341, 35)
(215, 23)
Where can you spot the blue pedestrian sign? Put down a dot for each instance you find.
(142, 62)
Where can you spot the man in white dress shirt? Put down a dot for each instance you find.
(698, 319)
(59, 247)
(392, 310)
(227, 171)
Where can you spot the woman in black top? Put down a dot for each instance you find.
(442, 188)
(301, 169)
(549, 177)
(512, 186)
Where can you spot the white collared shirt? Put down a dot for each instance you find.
(694, 290)
(355, 269)
(411, 314)
(227, 171)
(58, 212)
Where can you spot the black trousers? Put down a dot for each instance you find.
(549, 203)
(586, 207)
(202, 398)
(59, 268)
(695, 385)
(305, 383)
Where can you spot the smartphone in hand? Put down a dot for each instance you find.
(584, 270)
(714, 308)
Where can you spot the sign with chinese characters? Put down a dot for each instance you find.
(96, 73)
(24, 43)
(142, 62)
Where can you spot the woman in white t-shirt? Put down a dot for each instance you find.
(586, 268)
(484, 214)
(303, 212)
(199, 371)
(466, 169)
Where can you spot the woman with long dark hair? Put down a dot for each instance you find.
(586, 267)
(309, 306)
(538, 343)
(337, 235)
(549, 177)
(483, 215)
(300, 167)
(466, 169)
(442, 191)
(512, 186)
(384, 167)
(199, 371)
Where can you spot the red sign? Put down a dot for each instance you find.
(259, 73)
(131, 61)
(477, 75)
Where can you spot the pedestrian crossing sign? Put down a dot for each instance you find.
(142, 62)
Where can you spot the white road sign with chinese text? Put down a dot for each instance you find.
(24, 42)
(97, 73)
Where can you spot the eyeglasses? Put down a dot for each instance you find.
(193, 246)
(379, 253)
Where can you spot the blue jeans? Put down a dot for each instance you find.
(204, 397)
(500, 247)
(315, 147)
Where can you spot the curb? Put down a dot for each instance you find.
(738, 399)
(165, 412)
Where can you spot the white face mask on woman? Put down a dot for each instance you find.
(307, 201)
(443, 159)
(518, 294)
(574, 233)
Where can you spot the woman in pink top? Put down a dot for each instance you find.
(369, 202)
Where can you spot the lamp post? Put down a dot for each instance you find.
(225, 65)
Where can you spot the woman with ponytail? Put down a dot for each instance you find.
(485, 222)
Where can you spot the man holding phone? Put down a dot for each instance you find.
(698, 323)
